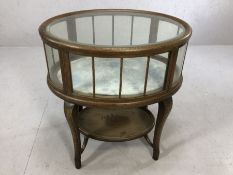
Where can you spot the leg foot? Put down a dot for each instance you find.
(71, 112)
(165, 107)
(77, 162)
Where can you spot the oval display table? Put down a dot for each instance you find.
(109, 65)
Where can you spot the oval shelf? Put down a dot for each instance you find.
(115, 125)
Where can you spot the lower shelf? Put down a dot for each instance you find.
(115, 124)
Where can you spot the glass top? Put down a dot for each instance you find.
(115, 28)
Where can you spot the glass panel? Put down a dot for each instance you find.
(103, 30)
(53, 65)
(180, 62)
(81, 72)
(107, 73)
(165, 55)
(122, 30)
(133, 75)
(84, 30)
(180, 30)
(156, 74)
(115, 28)
(59, 29)
(166, 31)
(141, 30)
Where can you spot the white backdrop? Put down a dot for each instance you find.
(211, 20)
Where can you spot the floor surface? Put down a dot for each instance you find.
(197, 138)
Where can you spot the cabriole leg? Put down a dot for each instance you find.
(71, 112)
(165, 107)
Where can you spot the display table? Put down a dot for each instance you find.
(108, 66)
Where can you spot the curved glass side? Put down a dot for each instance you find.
(180, 62)
(114, 77)
(53, 63)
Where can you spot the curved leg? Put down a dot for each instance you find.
(165, 107)
(71, 111)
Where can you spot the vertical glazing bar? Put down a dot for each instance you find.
(71, 29)
(93, 29)
(146, 75)
(184, 57)
(178, 31)
(121, 70)
(93, 58)
(46, 60)
(113, 23)
(93, 75)
(131, 35)
(52, 56)
(66, 71)
(154, 26)
(172, 57)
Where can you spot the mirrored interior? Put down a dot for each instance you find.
(102, 76)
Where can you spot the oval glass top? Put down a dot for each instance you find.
(113, 28)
